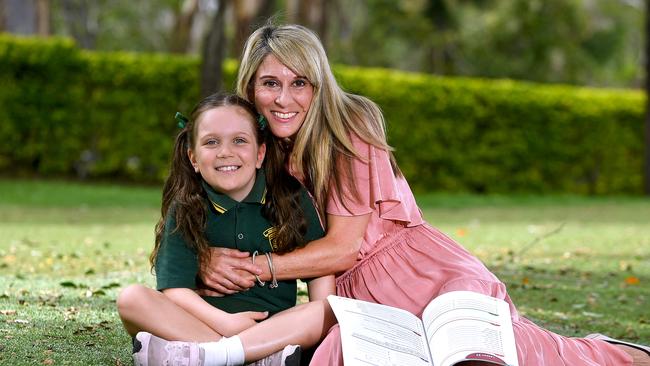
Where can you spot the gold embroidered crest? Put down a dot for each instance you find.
(270, 234)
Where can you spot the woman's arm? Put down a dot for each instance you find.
(334, 253)
(228, 271)
(321, 287)
(222, 322)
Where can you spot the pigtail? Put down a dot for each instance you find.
(184, 196)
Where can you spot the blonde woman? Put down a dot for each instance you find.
(376, 241)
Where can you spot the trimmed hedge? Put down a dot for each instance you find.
(68, 112)
(460, 134)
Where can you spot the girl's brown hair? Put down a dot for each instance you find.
(183, 190)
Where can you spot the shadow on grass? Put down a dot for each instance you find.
(66, 327)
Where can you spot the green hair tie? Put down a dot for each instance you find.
(181, 120)
(262, 122)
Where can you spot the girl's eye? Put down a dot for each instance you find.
(211, 142)
(240, 140)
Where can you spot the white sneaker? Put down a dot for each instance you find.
(289, 356)
(154, 351)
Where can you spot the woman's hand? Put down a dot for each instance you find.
(237, 322)
(228, 271)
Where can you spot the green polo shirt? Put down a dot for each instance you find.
(236, 225)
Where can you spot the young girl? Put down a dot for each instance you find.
(216, 195)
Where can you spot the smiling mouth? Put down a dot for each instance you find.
(228, 168)
(284, 115)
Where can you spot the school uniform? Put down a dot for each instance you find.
(235, 225)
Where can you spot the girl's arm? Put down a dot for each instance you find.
(222, 322)
(334, 253)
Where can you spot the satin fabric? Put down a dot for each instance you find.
(404, 262)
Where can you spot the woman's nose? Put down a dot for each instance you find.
(283, 96)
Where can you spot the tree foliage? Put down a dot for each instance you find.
(587, 42)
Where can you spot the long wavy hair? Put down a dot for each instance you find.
(183, 190)
(322, 148)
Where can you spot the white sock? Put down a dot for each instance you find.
(225, 352)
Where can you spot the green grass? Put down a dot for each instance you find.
(572, 264)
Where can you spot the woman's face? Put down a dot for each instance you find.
(282, 97)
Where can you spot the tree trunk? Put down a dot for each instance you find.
(249, 15)
(440, 15)
(180, 38)
(43, 18)
(214, 49)
(81, 19)
(312, 14)
(646, 165)
(3, 24)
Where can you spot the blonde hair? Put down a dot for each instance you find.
(323, 145)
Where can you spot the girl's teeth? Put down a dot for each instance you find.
(227, 168)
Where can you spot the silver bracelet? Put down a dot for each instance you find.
(274, 281)
(259, 282)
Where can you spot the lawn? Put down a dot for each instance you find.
(573, 264)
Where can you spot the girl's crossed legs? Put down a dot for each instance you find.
(143, 309)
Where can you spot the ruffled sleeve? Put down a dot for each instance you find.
(380, 191)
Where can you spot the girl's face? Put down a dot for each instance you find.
(282, 97)
(226, 152)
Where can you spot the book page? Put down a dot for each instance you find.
(463, 325)
(374, 334)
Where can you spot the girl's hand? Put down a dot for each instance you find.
(228, 271)
(237, 322)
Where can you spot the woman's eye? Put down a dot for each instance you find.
(211, 142)
(270, 84)
(300, 83)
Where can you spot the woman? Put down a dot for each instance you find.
(376, 242)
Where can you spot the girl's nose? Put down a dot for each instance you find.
(224, 150)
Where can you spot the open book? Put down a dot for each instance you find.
(456, 326)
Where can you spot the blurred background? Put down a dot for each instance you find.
(565, 74)
(521, 125)
(585, 42)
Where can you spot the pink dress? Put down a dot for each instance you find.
(404, 262)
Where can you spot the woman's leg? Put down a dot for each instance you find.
(304, 325)
(640, 358)
(145, 309)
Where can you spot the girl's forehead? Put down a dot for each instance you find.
(226, 117)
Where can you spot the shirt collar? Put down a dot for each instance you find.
(222, 203)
